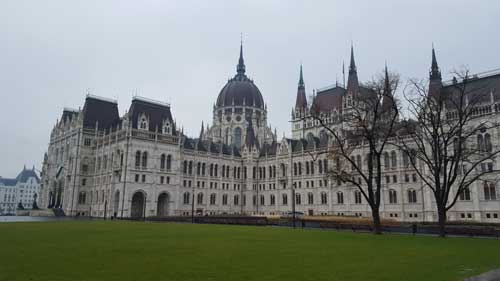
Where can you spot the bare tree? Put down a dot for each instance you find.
(446, 139)
(363, 130)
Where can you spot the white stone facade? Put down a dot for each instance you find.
(23, 189)
(132, 167)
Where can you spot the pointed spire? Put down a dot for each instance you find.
(387, 82)
(202, 131)
(250, 139)
(352, 65)
(434, 73)
(240, 68)
(301, 101)
(352, 79)
(388, 102)
(301, 78)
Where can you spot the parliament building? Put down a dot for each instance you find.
(141, 164)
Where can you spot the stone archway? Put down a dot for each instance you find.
(116, 203)
(138, 203)
(163, 204)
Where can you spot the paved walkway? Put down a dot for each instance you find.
(493, 275)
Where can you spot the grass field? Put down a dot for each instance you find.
(89, 250)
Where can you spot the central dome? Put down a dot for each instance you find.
(240, 90)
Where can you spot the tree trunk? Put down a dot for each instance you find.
(376, 221)
(442, 221)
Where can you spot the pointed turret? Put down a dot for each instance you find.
(352, 79)
(388, 98)
(202, 131)
(250, 139)
(301, 101)
(435, 73)
(435, 82)
(240, 68)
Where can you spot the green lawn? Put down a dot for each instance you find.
(113, 250)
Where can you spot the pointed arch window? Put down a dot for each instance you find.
(143, 122)
(169, 162)
(145, 159)
(137, 159)
(162, 162)
(167, 128)
(393, 198)
(237, 137)
(324, 198)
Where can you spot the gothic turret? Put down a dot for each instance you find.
(352, 79)
(301, 101)
(388, 98)
(435, 82)
(240, 68)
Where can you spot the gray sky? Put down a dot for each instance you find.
(183, 52)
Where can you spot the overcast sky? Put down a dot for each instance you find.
(183, 52)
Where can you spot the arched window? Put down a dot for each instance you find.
(166, 127)
(357, 197)
(254, 172)
(237, 137)
(487, 143)
(394, 159)
(169, 162)
(213, 197)
(312, 167)
(294, 169)
(190, 167)
(283, 170)
(465, 194)
(324, 198)
(143, 123)
(489, 191)
(480, 142)
(300, 168)
(284, 199)
(307, 168)
(272, 200)
(320, 166)
(236, 200)
(137, 159)
(144, 159)
(199, 198)
(162, 161)
(358, 162)
(198, 168)
(216, 170)
(393, 198)
(262, 200)
(325, 165)
(406, 160)
(298, 199)
(340, 197)
(387, 163)
(203, 168)
(310, 198)
(412, 196)
(226, 137)
(186, 198)
(185, 167)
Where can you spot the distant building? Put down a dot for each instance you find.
(99, 163)
(23, 189)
